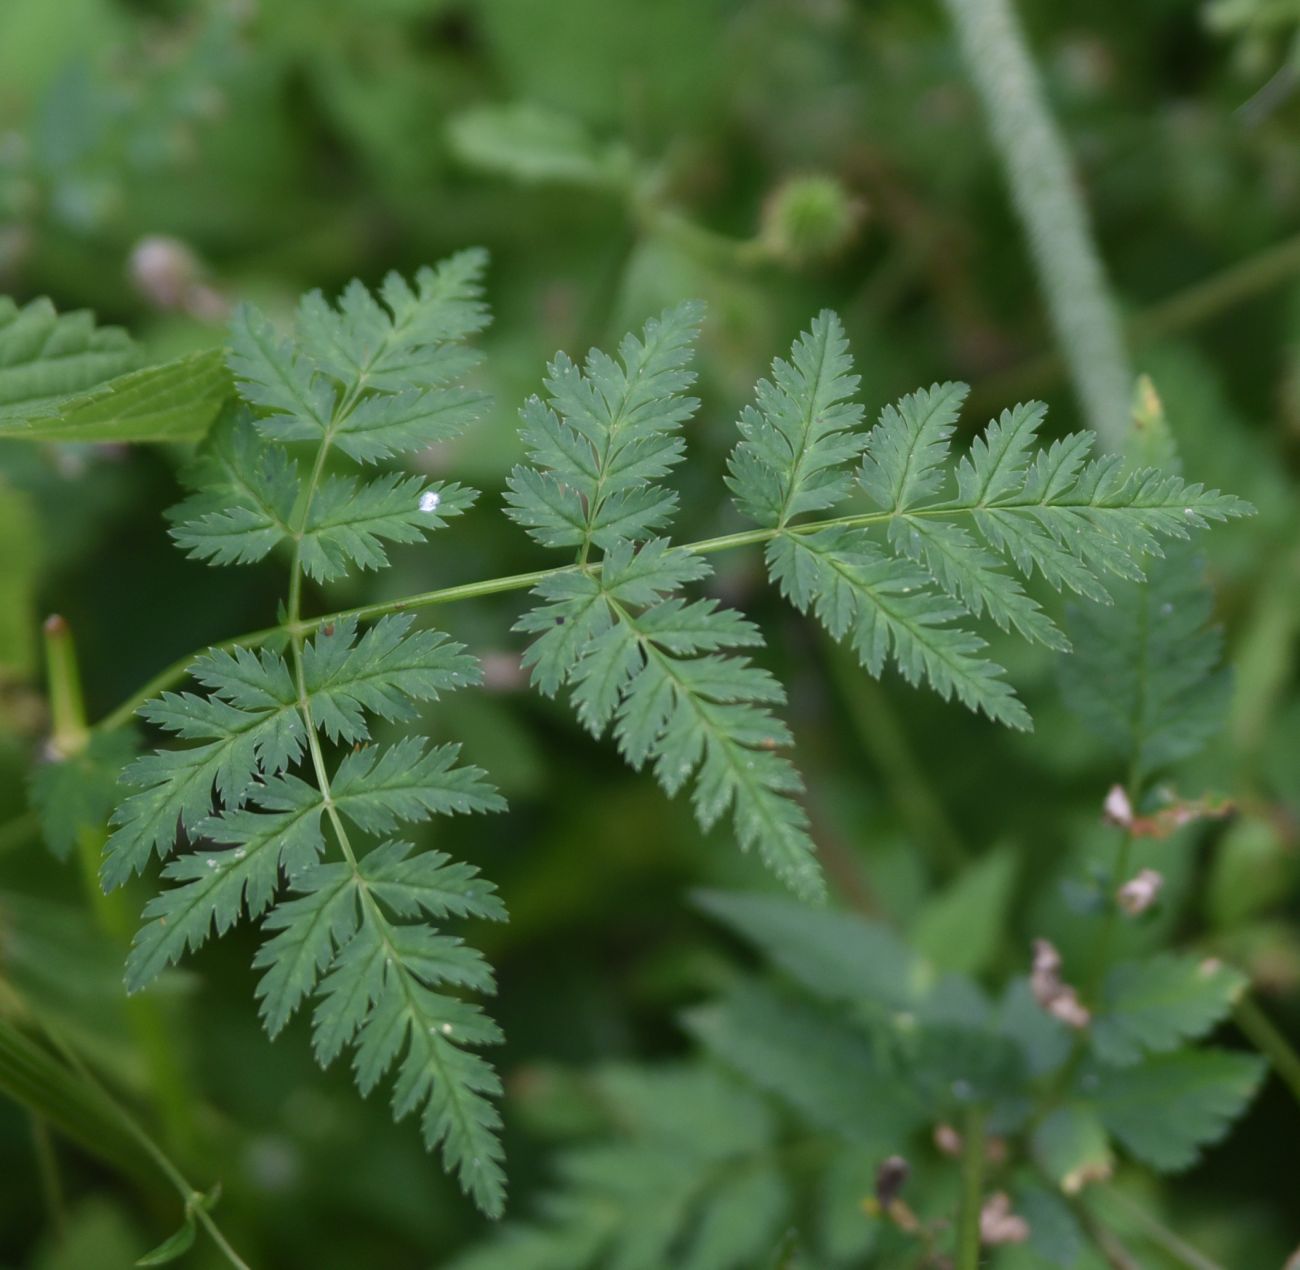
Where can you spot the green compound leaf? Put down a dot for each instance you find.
(902, 583)
(249, 791)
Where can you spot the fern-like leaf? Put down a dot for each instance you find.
(946, 534)
(251, 789)
(605, 433)
(1146, 676)
(658, 669)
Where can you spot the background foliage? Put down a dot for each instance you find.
(159, 162)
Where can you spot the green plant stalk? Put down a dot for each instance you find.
(47, 1169)
(34, 1079)
(1200, 302)
(1051, 209)
(193, 1198)
(70, 735)
(972, 1191)
(1265, 1036)
(300, 626)
(1159, 1233)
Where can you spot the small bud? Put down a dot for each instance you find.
(808, 218)
(947, 1139)
(1140, 892)
(890, 1179)
(1117, 809)
(998, 1224)
(168, 274)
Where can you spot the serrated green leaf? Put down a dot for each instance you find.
(606, 432)
(811, 1060)
(1165, 1109)
(1155, 1005)
(801, 434)
(882, 605)
(838, 956)
(179, 400)
(47, 357)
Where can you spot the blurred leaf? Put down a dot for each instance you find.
(46, 357)
(1253, 870)
(1155, 1005)
(1071, 1147)
(534, 145)
(838, 956)
(1054, 1232)
(176, 401)
(94, 1234)
(810, 1059)
(171, 1248)
(960, 928)
(76, 794)
(34, 1078)
(1145, 673)
(1166, 1108)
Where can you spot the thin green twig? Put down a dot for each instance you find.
(972, 1191)
(1265, 1036)
(47, 1169)
(191, 1195)
(1160, 1234)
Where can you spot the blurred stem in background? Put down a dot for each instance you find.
(1055, 219)
(70, 735)
(57, 1088)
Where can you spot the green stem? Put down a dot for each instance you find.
(1051, 209)
(1110, 924)
(1265, 1036)
(191, 1196)
(123, 713)
(1184, 309)
(47, 1169)
(1159, 1233)
(149, 1030)
(972, 1191)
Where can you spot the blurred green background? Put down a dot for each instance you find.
(160, 161)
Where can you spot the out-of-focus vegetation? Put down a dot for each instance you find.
(161, 162)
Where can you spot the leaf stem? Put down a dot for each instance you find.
(972, 1186)
(192, 1197)
(148, 1027)
(47, 1169)
(1159, 1233)
(1266, 1037)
